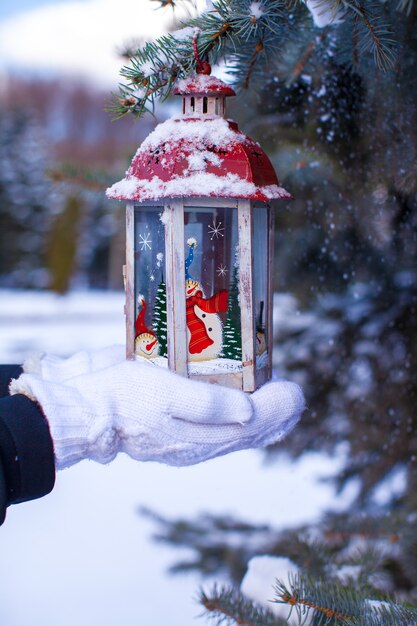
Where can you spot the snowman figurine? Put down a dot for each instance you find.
(204, 326)
(146, 342)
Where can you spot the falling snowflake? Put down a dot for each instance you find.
(221, 270)
(152, 278)
(145, 241)
(216, 230)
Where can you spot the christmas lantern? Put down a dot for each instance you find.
(199, 251)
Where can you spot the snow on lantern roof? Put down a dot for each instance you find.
(194, 155)
(204, 85)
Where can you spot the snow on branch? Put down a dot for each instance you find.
(247, 35)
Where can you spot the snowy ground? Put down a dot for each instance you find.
(82, 556)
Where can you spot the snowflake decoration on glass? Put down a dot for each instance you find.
(145, 241)
(221, 270)
(216, 230)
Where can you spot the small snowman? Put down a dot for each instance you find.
(146, 342)
(204, 326)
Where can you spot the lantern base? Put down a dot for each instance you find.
(226, 372)
(207, 367)
(226, 380)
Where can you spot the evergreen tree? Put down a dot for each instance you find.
(232, 339)
(310, 602)
(348, 568)
(160, 317)
(251, 37)
(344, 136)
(25, 200)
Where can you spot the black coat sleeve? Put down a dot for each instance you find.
(3, 495)
(7, 372)
(27, 468)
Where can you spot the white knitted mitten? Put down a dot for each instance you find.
(58, 369)
(155, 415)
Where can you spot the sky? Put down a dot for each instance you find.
(77, 38)
(9, 8)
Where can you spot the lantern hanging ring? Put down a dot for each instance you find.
(202, 67)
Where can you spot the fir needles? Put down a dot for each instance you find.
(253, 38)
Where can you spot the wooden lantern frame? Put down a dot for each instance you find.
(203, 152)
(250, 377)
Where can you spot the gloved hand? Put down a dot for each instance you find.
(153, 414)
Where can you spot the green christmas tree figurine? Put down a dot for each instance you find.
(232, 339)
(160, 317)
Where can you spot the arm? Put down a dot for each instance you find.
(98, 404)
(7, 372)
(153, 414)
(3, 495)
(27, 469)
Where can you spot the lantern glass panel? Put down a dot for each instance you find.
(260, 272)
(149, 282)
(212, 290)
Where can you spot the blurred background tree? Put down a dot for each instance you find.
(341, 131)
(59, 150)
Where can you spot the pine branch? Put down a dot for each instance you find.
(222, 33)
(406, 6)
(330, 602)
(377, 36)
(341, 605)
(228, 606)
(252, 20)
(305, 57)
(80, 177)
(251, 37)
(173, 3)
(259, 48)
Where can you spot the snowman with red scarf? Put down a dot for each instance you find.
(146, 342)
(204, 326)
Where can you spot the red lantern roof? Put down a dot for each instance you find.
(199, 154)
(203, 84)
